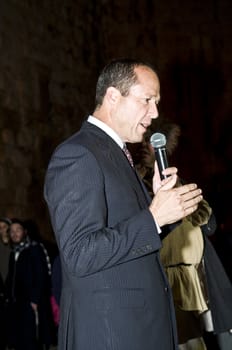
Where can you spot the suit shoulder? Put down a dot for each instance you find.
(89, 138)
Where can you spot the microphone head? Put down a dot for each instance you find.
(158, 140)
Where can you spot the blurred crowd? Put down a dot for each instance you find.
(27, 314)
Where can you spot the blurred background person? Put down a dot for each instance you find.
(4, 260)
(201, 289)
(4, 246)
(28, 292)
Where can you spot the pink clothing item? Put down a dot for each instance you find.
(55, 310)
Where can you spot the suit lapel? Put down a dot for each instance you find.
(118, 159)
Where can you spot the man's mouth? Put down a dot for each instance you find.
(145, 126)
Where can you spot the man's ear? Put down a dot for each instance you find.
(112, 95)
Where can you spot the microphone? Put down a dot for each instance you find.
(158, 142)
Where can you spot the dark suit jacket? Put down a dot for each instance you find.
(115, 295)
(219, 289)
(28, 281)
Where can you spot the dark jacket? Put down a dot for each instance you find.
(218, 283)
(115, 295)
(28, 282)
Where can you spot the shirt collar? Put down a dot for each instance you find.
(106, 129)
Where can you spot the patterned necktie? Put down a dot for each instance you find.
(128, 155)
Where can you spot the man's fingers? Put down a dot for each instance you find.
(190, 188)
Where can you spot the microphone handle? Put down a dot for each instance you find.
(161, 157)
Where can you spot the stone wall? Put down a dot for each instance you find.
(51, 53)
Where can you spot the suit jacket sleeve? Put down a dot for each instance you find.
(80, 199)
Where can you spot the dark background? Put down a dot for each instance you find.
(51, 54)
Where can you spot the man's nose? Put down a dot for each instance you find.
(153, 110)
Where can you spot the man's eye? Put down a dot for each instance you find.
(147, 100)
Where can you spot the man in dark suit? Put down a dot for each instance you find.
(27, 291)
(115, 295)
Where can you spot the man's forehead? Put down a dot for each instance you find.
(147, 87)
(147, 76)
